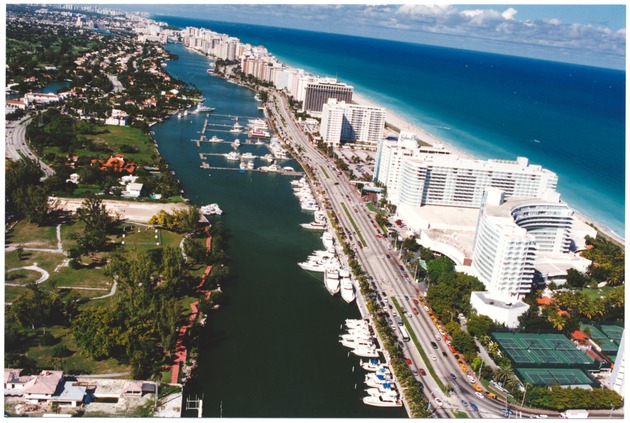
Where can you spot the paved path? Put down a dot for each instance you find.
(44, 277)
(111, 293)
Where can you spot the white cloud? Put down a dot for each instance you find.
(509, 13)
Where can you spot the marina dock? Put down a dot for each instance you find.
(205, 165)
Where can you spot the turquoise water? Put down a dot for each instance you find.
(272, 350)
(567, 118)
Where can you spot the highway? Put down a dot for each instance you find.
(16, 147)
(381, 263)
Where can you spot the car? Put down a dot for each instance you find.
(474, 406)
(415, 372)
(415, 301)
(388, 256)
(423, 372)
(438, 337)
(406, 298)
(464, 403)
(453, 376)
(434, 345)
(444, 354)
(439, 402)
(420, 385)
(415, 310)
(426, 308)
(384, 294)
(479, 394)
(507, 412)
(433, 357)
(408, 360)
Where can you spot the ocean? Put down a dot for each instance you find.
(568, 118)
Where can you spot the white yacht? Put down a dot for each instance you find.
(382, 401)
(328, 239)
(347, 289)
(357, 343)
(211, 209)
(267, 157)
(365, 352)
(236, 143)
(233, 155)
(309, 205)
(247, 156)
(274, 168)
(201, 108)
(215, 139)
(313, 266)
(331, 279)
(250, 165)
(376, 381)
(371, 365)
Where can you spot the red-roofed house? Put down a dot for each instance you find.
(12, 105)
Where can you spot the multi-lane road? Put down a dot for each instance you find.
(16, 147)
(381, 263)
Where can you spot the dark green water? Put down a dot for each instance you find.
(272, 350)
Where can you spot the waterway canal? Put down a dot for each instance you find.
(272, 350)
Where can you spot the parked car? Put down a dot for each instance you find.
(479, 394)
(444, 354)
(415, 372)
(434, 345)
(453, 376)
(415, 310)
(433, 357)
(439, 402)
(464, 403)
(423, 372)
(408, 360)
(474, 406)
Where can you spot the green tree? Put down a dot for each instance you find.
(97, 224)
(479, 325)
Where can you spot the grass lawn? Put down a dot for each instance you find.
(23, 276)
(111, 139)
(600, 292)
(47, 261)
(84, 277)
(30, 235)
(460, 415)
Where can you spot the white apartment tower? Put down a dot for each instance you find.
(388, 165)
(351, 122)
(503, 253)
(447, 180)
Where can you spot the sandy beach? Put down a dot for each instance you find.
(403, 125)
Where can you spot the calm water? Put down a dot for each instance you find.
(567, 118)
(272, 350)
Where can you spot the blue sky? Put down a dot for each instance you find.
(576, 33)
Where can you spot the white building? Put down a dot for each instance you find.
(448, 180)
(503, 252)
(351, 122)
(617, 376)
(388, 164)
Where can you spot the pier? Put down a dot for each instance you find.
(280, 171)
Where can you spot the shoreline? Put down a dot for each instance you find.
(402, 124)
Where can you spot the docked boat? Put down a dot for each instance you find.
(347, 289)
(382, 400)
(215, 139)
(250, 165)
(357, 323)
(314, 226)
(211, 209)
(259, 133)
(204, 109)
(310, 205)
(313, 266)
(267, 157)
(376, 381)
(371, 365)
(237, 127)
(328, 240)
(236, 143)
(357, 343)
(259, 142)
(274, 168)
(232, 155)
(365, 352)
(242, 167)
(263, 169)
(247, 156)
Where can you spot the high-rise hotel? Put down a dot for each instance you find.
(351, 122)
(319, 91)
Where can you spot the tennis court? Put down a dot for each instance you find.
(607, 346)
(537, 349)
(552, 375)
(613, 332)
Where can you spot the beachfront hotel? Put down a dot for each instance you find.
(317, 93)
(351, 122)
